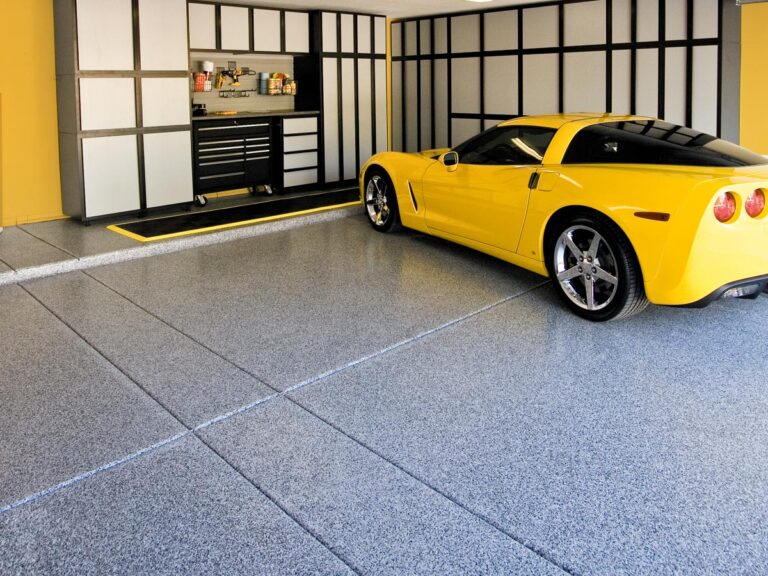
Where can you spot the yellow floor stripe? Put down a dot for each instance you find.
(119, 230)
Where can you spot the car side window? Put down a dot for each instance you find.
(507, 145)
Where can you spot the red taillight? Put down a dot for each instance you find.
(725, 207)
(755, 203)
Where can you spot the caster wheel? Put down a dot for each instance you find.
(201, 200)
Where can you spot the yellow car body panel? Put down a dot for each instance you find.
(683, 260)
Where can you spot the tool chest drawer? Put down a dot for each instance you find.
(232, 153)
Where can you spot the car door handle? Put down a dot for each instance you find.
(534, 181)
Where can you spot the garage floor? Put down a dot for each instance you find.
(323, 399)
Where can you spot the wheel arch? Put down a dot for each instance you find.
(567, 212)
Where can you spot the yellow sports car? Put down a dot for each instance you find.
(617, 210)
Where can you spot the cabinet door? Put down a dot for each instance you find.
(380, 100)
(105, 34)
(330, 32)
(110, 175)
(202, 26)
(107, 103)
(235, 34)
(380, 35)
(163, 34)
(168, 168)
(364, 109)
(331, 119)
(363, 34)
(297, 32)
(266, 30)
(165, 101)
(349, 121)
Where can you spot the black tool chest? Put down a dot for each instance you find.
(233, 153)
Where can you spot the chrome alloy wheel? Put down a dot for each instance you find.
(586, 268)
(376, 201)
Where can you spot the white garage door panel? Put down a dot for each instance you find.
(674, 85)
(585, 23)
(501, 85)
(705, 89)
(584, 78)
(622, 82)
(465, 34)
(464, 129)
(647, 84)
(540, 84)
(411, 109)
(426, 106)
(441, 104)
(622, 21)
(648, 20)
(397, 106)
(501, 30)
(540, 27)
(465, 79)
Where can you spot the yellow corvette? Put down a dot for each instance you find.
(617, 210)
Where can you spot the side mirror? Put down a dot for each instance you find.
(450, 160)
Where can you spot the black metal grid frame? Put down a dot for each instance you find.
(633, 46)
(339, 55)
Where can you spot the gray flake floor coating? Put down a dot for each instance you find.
(322, 399)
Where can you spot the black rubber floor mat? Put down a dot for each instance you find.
(183, 224)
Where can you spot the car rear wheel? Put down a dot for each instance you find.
(595, 269)
(380, 201)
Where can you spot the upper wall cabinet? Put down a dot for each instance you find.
(105, 34)
(266, 31)
(243, 29)
(202, 26)
(163, 36)
(235, 34)
(297, 32)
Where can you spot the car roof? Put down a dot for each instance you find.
(559, 120)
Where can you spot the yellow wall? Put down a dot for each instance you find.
(754, 78)
(29, 152)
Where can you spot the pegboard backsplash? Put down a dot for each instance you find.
(253, 102)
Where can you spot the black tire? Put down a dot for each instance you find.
(380, 201)
(594, 268)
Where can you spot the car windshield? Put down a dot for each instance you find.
(504, 145)
(655, 142)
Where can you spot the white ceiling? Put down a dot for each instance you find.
(391, 8)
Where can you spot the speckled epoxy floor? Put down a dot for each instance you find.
(322, 399)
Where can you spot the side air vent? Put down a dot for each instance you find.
(413, 198)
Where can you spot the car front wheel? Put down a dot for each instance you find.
(595, 269)
(380, 201)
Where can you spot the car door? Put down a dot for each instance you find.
(484, 198)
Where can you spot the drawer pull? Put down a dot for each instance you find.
(221, 175)
(240, 161)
